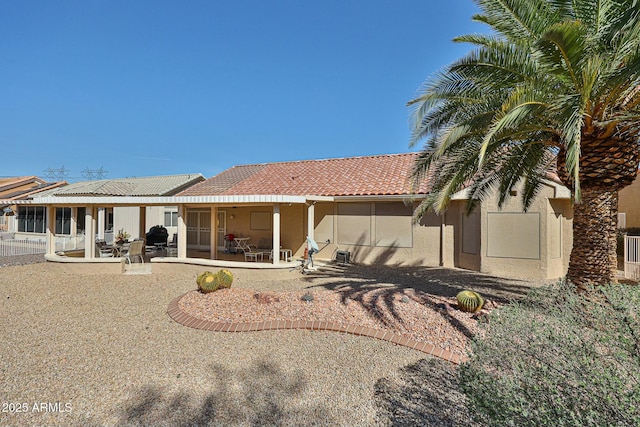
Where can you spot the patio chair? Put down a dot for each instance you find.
(103, 250)
(251, 255)
(136, 249)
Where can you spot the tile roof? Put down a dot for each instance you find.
(145, 186)
(354, 176)
(22, 188)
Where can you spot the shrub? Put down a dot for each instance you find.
(469, 301)
(207, 283)
(559, 358)
(210, 282)
(224, 278)
(308, 297)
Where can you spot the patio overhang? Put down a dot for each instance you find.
(168, 200)
(560, 191)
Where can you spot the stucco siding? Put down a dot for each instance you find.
(529, 244)
(629, 203)
(127, 218)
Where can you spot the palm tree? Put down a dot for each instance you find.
(555, 87)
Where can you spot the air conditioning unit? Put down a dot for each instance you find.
(342, 257)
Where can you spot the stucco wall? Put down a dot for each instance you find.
(128, 219)
(629, 203)
(535, 244)
(370, 238)
(524, 244)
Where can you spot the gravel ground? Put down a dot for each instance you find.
(7, 261)
(99, 349)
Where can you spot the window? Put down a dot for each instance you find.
(170, 218)
(63, 221)
(31, 219)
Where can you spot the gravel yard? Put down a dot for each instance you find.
(99, 349)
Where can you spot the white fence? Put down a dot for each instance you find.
(632, 257)
(65, 243)
(13, 247)
(22, 247)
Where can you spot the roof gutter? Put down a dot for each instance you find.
(368, 198)
(163, 200)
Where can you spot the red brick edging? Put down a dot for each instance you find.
(178, 315)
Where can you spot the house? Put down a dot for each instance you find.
(101, 201)
(361, 205)
(365, 205)
(17, 220)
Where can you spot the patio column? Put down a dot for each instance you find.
(51, 228)
(89, 233)
(142, 224)
(101, 223)
(73, 231)
(213, 238)
(276, 234)
(311, 219)
(182, 232)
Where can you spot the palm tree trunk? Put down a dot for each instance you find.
(593, 257)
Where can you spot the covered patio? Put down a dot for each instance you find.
(258, 224)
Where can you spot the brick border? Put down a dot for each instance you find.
(179, 316)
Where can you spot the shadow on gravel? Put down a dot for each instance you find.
(258, 395)
(379, 288)
(426, 394)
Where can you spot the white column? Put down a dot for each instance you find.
(74, 229)
(276, 234)
(182, 232)
(100, 223)
(89, 233)
(51, 228)
(311, 220)
(213, 239)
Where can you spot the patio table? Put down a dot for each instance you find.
(242, 243)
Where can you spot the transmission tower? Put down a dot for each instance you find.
(94, 174)
(59, 174)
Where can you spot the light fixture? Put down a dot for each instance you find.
(232, 216)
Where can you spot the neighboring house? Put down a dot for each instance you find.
(23, 219)
(363, 205)
(629, 206)
(112, 215)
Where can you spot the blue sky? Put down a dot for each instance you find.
(145, 88)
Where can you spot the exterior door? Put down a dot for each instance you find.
(199, 229)
(221, 231)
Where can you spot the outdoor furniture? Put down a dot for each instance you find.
(172, 247)
(103, 250)
(285, 254)
(157, 235)
(119, 248)
(136, 250)
(242, 244)
(253, 256)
